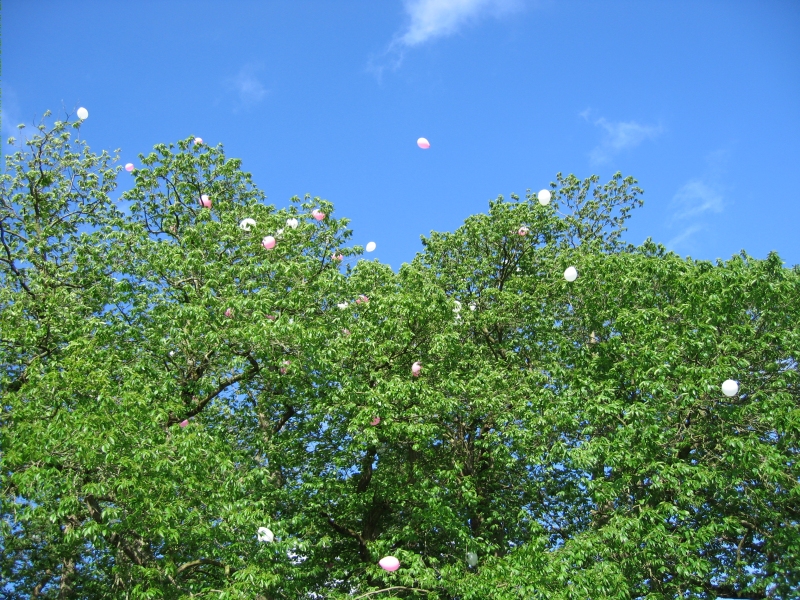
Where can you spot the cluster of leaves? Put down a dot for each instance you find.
(572, 435)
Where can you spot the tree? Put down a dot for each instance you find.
(169, 385)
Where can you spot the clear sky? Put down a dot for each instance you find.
(698, 100)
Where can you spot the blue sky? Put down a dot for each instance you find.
(700, 101)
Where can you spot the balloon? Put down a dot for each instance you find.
(292, 223)
(318, 214)
(370, 246)
(375, 421)
(544, 197)
(246, 224)
(265, 535)
(229, 313)
(473, 306)
(361, 299)
(184, 423)
(268, 242)
(205, 201)
(472, 559)
(571, 274)
(389, 563)
(423, 143)
(416, 369)
(337, 257)
(129, 167)
(523, 231)
(83, 113)
(198, 141)
(343, 305)
(730, 387)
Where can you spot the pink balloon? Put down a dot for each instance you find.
(205, 201)
(362, 299)
(337, 257)
(184, 423)
(375, 421)
(268, 242)
(129, 167)
(229, 313)
(318, 214)
(198, 141)
(271, 317)
(416, 369)
(523, 231)
(389, 563)
(423, 143)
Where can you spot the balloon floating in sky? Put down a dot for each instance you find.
(389, 563)
(523, 231)
(371, 246)
(544, 197)
(198, 141)
(730, 387)
(571, 274)
(129, 167)
(246, 224)
(416, 369)
(292, 223)
(229, 313)
(83, 113)
(184, 423)
(472, 559)
(268, 242)
(318, 214)
(265, 535)
(423, 143)
(375, 421)
(205, 201)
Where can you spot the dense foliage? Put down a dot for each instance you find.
(572, 435)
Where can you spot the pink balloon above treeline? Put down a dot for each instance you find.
(318, 214)
(129, 167)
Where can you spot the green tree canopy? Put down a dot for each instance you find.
(169, 385)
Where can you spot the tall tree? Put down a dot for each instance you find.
(175, 377)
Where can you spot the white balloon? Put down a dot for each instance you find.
(730, 387)
(473, 306)
(571, 274)
(472, 559)
(544, 197)
(265, 535)
(292, 223)
(83, 113)
(343, 305)
(371, 246)
(246, 224)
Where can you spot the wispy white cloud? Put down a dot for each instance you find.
(247, 87)
(618, 136)
(432, 19)
(684, 235)
(695, 198)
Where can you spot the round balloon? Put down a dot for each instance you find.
(472, 559)
(337, 257)
(265, 535)
(423, 143)
(184, 423)
(268, 242)
(416, 369)
(198, 141)
(292, 223)
(544, 197)
(343, 305)
(83, 113)
(389, 563)
(318, 214)
(571, 274)
(730, 388)
(129, 167)
(375, 421)
(371, 246)
(523, 231)
(246, 224)
(205, 201)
